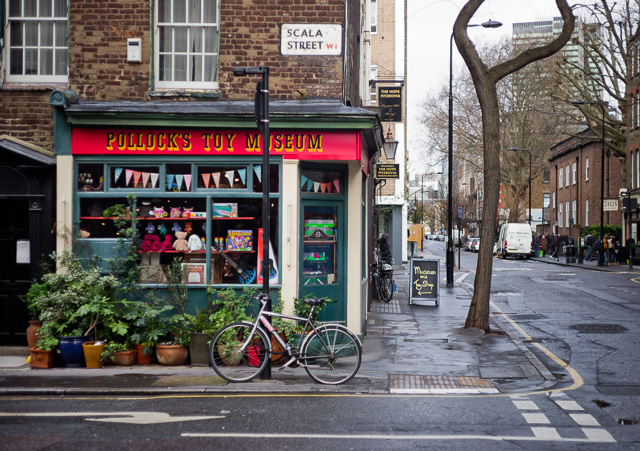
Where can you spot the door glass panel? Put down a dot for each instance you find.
(320, 241)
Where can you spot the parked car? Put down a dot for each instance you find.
(440, 237)
(476, 245)
(495, 248)
(468, 245)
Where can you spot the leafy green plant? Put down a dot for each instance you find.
(46, 341)
(230, 305)
(302, 309)
(283, 326)
(149, 321)
(176, 281)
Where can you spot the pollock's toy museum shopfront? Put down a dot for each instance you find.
(194, 169)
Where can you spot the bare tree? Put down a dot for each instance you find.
(485, 80)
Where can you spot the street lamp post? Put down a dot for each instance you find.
(525, 150)
(601, 238)
(450, 252)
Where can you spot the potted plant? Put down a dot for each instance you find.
(175, 352)
(202, 329)
(149, 325)
(230, 306)
(119, 353)
(42, 353)
(301, 310)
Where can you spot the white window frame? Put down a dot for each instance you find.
(586, 213)
(574, 210)
(40, 19)
(586, 169)
(554, 200)
(560, 215)
(633, 178)
(373, 10)
(566, 214)
(637, 168)
(574, 170)
(202, 52)
(566, 176)
(560, 179)
(374, 76)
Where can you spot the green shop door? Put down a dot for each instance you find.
(323, 256)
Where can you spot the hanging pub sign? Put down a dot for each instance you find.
(424, 280)
(387, 171)
(390, 101)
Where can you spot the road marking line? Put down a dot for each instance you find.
(536, 418)
(526, 405)
(598, 435)
(546, 433)
(597, 438)
(584, 419)
(122, 417)
(569, 405)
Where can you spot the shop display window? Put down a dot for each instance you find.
(90, 177)
(274, 176)
(217, 237)
(134, 177)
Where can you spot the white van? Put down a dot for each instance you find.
(516, 240)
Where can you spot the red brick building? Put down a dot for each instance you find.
(631, 227)
(575, 179)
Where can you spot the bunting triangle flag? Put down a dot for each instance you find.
(303, 183)
(117, 174)
(316, 187)
(258, 170)
(136, 178)
(216, 178)
(169, 181)
(145, 179)
(329, 187)
(154, 180)
(230, 177)
(336, 183)
(187, 181)
(129, 173)
(179, 178)
(243, 176)
(205, 179)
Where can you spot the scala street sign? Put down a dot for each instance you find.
(387, 171)
(610, 205)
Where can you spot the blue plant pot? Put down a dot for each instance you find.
(70, 350)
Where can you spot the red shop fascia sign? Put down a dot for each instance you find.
(297, 145)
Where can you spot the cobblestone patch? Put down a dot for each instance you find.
(428, 384)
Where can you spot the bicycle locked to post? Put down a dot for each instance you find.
(382, 277)
(329, 353)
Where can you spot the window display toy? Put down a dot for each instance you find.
(158, 212)
(188, 227)
(167, 244)
(245, 275)
(175, 212)
(186, 212)
(162, 229)
(195, 243)
(176, 227)
(181, 244)
(150, 228)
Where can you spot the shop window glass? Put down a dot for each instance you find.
(90, 177)
(324, 182)
(222, 177)
(320, 263)
(135, 177)
(178, 178)
(274, 178)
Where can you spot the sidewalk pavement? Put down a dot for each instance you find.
(407, 349)
(622, 267)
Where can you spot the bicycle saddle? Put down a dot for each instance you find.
(314, 301)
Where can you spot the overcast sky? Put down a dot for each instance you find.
(429, 27)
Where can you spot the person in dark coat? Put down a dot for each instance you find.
(385, 248)
(553, 245)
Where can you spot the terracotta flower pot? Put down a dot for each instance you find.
(32, 333)
(41, 358)
(92, 353)
(124, 358)
(143, 355)
(172, 355)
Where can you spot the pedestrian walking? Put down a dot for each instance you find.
(544, 243)
(536, 244)
(553, 245)
(612, 246)
(588, 241)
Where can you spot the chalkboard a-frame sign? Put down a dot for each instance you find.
(424, 280)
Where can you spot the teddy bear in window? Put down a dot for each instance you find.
(181, 244)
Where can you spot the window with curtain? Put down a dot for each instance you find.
(574, 170)
(186, 44)
(374, 16)
(37, 41)
(560, 215)
(560, 179)
(586, 213)
(566, 176)
(586, 169)
(574, 210)
(566, 214)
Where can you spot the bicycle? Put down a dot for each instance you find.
(382, 278)
(330, 353)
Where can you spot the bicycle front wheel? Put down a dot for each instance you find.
(238, 355)
(331, 354)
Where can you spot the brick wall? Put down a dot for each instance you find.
(26, 115)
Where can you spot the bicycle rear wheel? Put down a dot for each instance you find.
(233, 363)
(386, 287)
(331, 354)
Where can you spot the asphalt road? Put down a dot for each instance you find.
(584, 325)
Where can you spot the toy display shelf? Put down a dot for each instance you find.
(244, 218)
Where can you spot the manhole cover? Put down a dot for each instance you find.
(599, 328)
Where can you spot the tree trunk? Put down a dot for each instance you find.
(485, 80)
